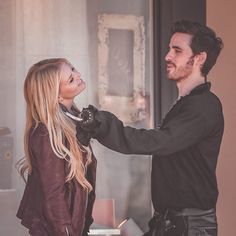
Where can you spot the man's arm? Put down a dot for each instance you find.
(185, 129)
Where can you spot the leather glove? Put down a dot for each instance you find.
(83, 136)
(85, 128)
(89, 122)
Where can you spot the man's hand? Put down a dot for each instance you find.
(88, 114)
(89, 122)
(86, 128)
(83, 136)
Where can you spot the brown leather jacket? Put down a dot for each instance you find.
(51, 207)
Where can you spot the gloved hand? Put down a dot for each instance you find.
(85, 129)
(83, 136)
(89, 122)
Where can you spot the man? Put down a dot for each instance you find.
(186, 146)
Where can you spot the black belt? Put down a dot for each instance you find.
(166, 222)
(191, 212)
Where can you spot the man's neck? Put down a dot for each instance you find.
(187, 85)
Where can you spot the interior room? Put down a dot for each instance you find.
(119, 49)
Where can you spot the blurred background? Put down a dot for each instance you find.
(119, 48)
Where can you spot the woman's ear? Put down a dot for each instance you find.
(60, 99)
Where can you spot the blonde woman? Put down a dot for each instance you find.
(59, 194)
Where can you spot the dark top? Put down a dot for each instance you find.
(49, 204)
(185, 149)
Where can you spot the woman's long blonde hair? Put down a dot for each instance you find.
(41, 91)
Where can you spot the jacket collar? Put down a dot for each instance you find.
(73, 111)
(201, 88)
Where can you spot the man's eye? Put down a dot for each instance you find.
(177, 51)
(71, 80)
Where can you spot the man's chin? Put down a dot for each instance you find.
(169, 77)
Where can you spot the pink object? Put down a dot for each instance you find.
(104, 212)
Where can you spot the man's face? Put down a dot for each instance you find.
(180, 58)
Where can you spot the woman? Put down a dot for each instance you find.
(59, 194)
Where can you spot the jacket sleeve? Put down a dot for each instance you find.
(51, 171)
(180, 132)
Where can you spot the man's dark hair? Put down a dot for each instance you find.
(204, 39)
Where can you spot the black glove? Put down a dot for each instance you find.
(89, 123)
(85, 129)
(83, 136)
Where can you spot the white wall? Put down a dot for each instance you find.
(221, 17)
(7, 65)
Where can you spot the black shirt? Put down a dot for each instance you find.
(185, 149)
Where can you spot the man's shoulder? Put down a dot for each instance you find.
(206, 102)
(205, 97)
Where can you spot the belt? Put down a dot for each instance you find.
(191, 212)
(161, 223)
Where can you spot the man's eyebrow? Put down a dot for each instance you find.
(176, 47)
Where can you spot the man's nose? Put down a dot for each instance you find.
(168, 57)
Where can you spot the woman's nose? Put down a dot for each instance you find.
(77, 74)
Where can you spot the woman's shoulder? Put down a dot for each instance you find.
(38, 132)
(39, 137)
(39, 129)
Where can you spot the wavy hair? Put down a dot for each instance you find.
(41, 92)
(204, 39)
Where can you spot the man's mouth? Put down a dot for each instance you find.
(170, 65)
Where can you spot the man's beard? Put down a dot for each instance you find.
(182, 72)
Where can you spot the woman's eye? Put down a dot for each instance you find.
(73, 69)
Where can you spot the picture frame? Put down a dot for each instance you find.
(121, 60)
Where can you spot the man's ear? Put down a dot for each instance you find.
(201, 58)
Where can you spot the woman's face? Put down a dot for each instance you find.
(70, 86)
